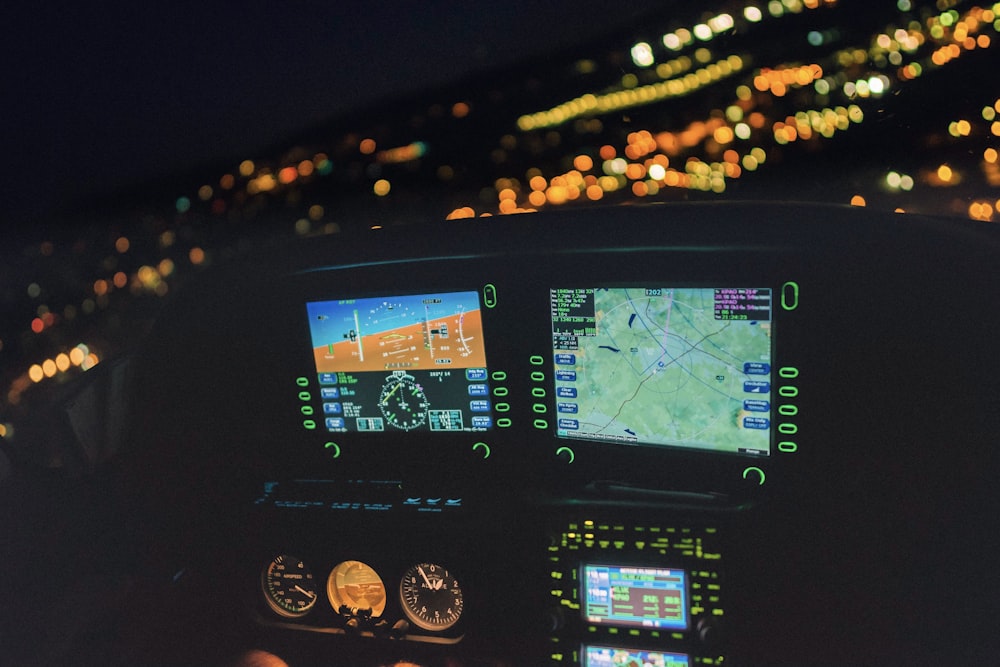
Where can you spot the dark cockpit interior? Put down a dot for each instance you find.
(715, 434)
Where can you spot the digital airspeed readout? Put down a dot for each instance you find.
(635, 596)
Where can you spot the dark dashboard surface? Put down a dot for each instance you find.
(695, 435)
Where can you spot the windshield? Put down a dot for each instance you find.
(890, 105)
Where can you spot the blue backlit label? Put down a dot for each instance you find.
(475, 374)
(566, 359)
(566, 376)
(566, 392)
(756, 423)
(756, 405)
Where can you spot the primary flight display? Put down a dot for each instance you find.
(401, 363)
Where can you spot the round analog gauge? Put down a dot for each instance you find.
(431, 597)
(356, 589)
(402, 402)
(289, 587)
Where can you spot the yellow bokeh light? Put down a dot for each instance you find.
(858, 200)
(381, 187)
(49, 368)
(367, 146)
(944, 173)
(62, 362)
(35, 373)
(196, 256)
(583, 162)
(247, 168)
(76, 356)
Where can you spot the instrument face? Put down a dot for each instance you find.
(431, 597)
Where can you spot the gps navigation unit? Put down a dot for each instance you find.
(664, 366)
(401, 363)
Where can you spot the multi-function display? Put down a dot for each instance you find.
(605, 656)
(402, 363)
(643, 597)
(664, 366)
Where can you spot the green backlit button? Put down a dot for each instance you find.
(307, 410)
(790, 296)
(541, 424)
(502, 407)
(538, 376)
(500, 391)
(305, 396)
(499, 376)
(482, 448)
(540, 408)
(309, 424)
(302, 382)
(536, 360)
(490, 295)
(503, 422)
(334, 449)
(538, 392)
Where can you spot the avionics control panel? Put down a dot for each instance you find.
(621, 589)
(667, 435)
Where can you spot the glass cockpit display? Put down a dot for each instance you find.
(664, 366)
(642, 597)
(606, 656)
(401, 363)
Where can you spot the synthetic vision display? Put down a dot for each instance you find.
(402, 363)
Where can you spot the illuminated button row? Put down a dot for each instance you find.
(306, 397)
(500, 390)
(539, 392)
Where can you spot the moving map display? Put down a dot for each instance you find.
(679, 367)
(401, 363)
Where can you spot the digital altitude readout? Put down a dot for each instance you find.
(640, 597)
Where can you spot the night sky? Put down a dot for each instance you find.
(104, 95)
